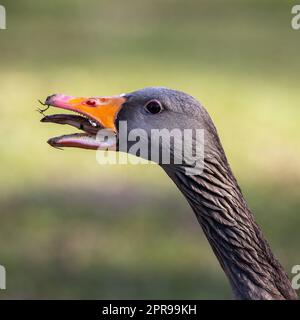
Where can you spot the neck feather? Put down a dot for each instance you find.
(236, 239)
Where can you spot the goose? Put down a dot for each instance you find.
(212, 192)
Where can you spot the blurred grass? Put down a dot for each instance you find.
(72, 229)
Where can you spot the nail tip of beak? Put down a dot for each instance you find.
(52, 143)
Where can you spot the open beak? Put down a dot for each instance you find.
(95, 117)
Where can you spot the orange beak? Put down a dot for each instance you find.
(103, 110)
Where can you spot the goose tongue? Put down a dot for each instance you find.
(74, 121)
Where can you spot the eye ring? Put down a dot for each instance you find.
(153, 106)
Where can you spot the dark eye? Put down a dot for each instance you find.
(153, 107)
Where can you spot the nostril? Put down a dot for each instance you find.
(91, 102)
(49, 98)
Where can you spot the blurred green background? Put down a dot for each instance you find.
(70, 228)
